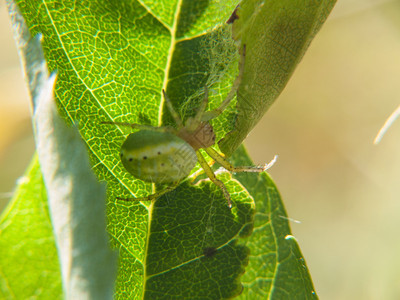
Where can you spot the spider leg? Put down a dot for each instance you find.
(155, 195)
(228, 166)
(173, 112)
(214, 178)
(142, 127)
(209, 115)
(194, 123)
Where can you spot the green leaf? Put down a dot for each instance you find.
(28, 256)
(113, 58)
(276, 33)
(277, 269)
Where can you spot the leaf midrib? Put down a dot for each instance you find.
(169, 57)
(160, 113)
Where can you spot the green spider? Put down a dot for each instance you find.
(167, 155)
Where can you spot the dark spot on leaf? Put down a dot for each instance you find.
(209, 251)
(144, 157)
(158, 152)
(130, 159)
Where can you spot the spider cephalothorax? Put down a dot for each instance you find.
(202, 137)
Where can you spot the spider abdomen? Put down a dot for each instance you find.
(159, 157)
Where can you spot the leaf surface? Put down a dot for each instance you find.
(276, 269)
(28, 255)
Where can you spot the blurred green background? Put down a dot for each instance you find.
(344, 190)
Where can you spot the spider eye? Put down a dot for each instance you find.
(130, 158)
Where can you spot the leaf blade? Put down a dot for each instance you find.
(276, 34)
(277, 268)
(24, 252)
